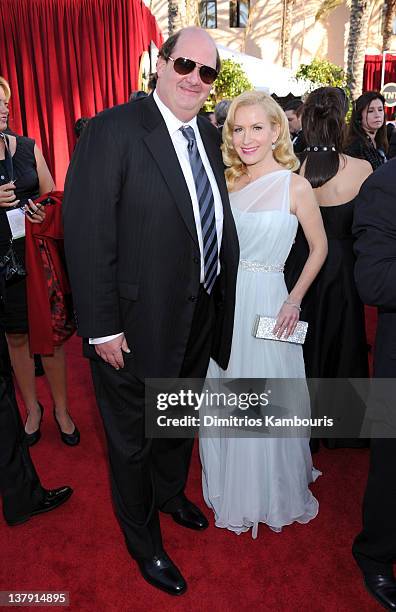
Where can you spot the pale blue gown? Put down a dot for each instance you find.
(247, 481)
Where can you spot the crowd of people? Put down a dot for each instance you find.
(170, 259)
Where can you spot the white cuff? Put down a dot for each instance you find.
(104, 339)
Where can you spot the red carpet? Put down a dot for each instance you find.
(79, 547)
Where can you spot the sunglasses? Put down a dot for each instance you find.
(183, 65)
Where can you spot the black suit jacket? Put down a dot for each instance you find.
(375, 272)
(392, 140)
(131, 243)
(299, 143)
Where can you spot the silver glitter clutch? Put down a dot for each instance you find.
(263, 327)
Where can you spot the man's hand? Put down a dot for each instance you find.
(111, 351)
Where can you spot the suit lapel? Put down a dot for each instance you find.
(161, 147)
(162, 150)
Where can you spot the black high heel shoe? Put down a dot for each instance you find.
(71, 439)
(33, 438)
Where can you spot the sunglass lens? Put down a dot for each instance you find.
(208, 74)
(183, 65)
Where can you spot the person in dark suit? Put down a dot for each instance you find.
(20, 487)
(152, 254)
(375, 230)
(391, 136)
(293, 112)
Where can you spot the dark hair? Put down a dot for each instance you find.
(221, 110)
(136, 95)
(356, 130)
(152, 81)
(80, 126)
(323, 125)
(168, 46)
(296, 105)
(344, 98)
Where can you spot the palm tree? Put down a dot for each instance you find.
(357, 42)
(326, 7)
(286, 28)
(182, 13)
(173, 16)
(192, 13)
(390, 14)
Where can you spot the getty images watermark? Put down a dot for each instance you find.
(210, 400)
(232, 408)
(292, 407)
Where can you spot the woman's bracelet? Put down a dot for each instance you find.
(293, 304)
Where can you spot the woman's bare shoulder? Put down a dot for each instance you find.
(361, 166)
(299, 184)
(355, 170)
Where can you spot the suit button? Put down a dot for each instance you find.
(197, 260)
(193, 298)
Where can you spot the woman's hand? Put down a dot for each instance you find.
(7, 195)
(287, 320)
(34, 213)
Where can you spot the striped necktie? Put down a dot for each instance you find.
(206, 209)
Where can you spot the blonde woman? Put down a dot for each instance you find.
(251, 480)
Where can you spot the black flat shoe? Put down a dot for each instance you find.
(190, 516)
(382, 588)
(71, 439)
(33, 438)
(162, 573)
(51, 500)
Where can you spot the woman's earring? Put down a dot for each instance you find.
(273, 146)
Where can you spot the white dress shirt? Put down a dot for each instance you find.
(180, 143)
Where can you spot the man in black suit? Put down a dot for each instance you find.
(20, 487)
(152, 254)
(293, 112)
(375, 229)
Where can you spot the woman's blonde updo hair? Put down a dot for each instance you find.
(6, 88)
(283, 151)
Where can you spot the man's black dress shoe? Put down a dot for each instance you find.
(71, 439)
(161, 572)
(190, 516)
(51, 500)
(382, 588)
(33, 438)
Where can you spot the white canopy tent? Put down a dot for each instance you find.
(266, 76)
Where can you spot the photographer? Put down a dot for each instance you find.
(24, 176)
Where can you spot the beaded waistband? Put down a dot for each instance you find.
(256, 266)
